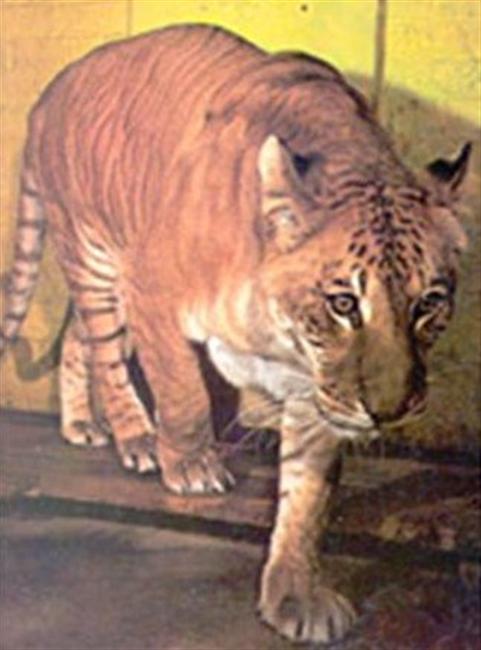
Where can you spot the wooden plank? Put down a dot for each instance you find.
(36, 462)
(377, 497)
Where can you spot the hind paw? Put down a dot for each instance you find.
(85, 433)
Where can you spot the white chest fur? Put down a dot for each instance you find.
(279, 379)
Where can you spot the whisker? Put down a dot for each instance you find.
(268, 410)
(242, 444)
(270, 416)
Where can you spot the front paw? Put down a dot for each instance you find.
(296, 604)
(199, 473)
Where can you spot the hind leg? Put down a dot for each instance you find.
(80, 423)
(97, 402)
(104, 337)
(99, 348)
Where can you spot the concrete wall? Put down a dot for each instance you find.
(431, 104)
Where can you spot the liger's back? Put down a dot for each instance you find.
(123, 130)
(117, 117)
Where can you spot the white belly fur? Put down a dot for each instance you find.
(278, 379)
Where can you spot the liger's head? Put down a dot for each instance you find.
(362, 282)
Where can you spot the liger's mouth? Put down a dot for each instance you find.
(406, 418)
(413, 408)
(353, 421)
(347, 423)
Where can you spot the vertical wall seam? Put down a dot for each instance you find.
(379, 55)
(129, 26)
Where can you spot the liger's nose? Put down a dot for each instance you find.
(416, 403)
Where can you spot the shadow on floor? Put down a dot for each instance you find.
(86, 585)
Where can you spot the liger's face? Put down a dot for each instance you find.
(364, 322)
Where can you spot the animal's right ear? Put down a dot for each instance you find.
(284, 205)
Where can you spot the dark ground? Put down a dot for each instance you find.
(94, 558)
(80, 584)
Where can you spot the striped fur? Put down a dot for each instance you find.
(200, 190)
(28, 248)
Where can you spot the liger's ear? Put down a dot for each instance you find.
(277, 173)
(284, 205)
(449, 174)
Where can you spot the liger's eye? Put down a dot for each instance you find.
(429, 302)
(343, 304)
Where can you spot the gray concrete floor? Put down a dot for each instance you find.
(81, 585)
(84, 584)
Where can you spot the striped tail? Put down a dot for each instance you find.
(28, 251)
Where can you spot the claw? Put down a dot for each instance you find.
(204, 474)
(84, 433)
(303, 610)
(137, 453)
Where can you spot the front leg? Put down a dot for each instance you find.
(185, 447)
(294, 599)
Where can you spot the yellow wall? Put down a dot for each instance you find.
(37, 39)
(434, 49)
(433, 45)
(433, 52)
(317, 27)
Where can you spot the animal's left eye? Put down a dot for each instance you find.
(343, 304)
(430, 301)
